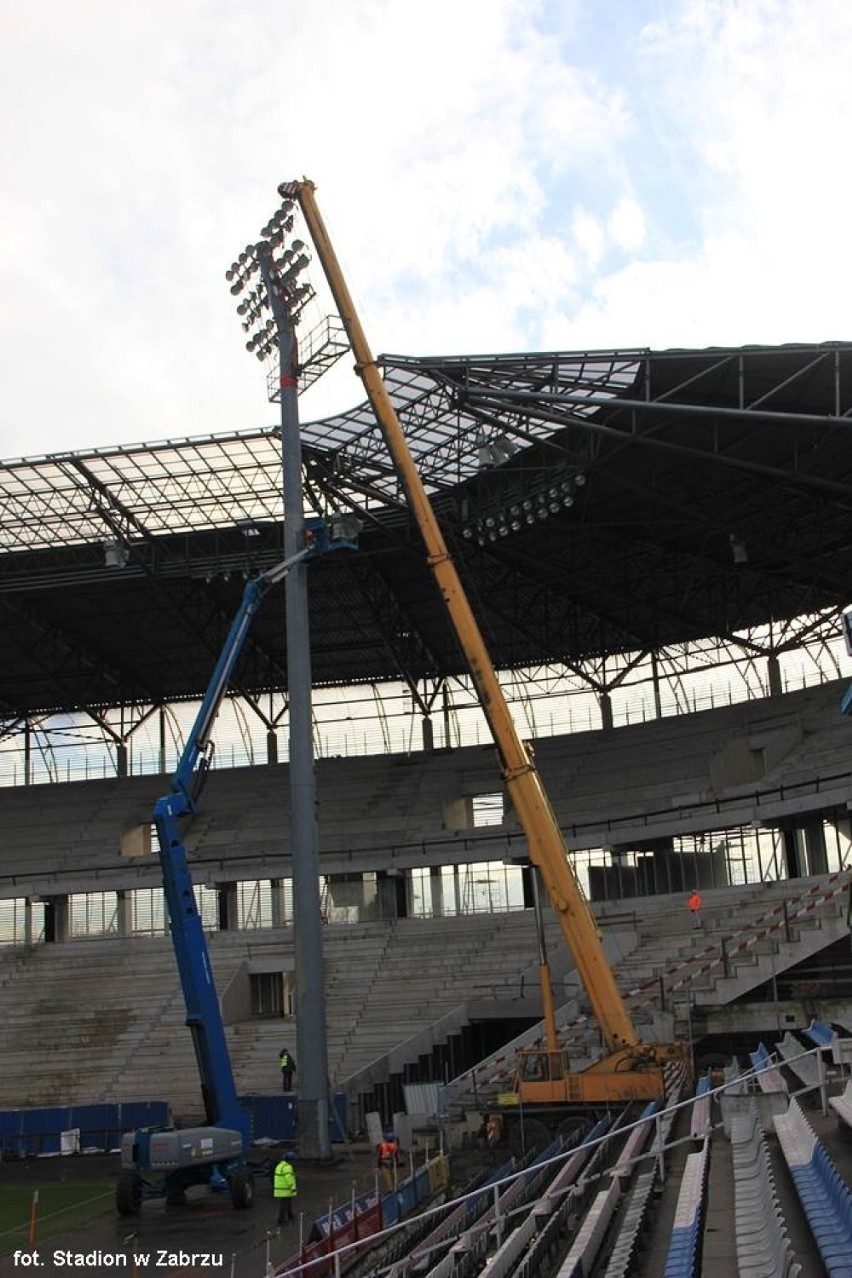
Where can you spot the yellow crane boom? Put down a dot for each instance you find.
(547, 847)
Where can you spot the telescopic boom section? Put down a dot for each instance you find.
(203, 1015)
(546, 845)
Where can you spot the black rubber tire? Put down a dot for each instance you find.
(242, 1190)
(128, 1194)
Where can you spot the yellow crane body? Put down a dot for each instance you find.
(630, 1069)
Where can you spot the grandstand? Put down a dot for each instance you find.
(668, 638)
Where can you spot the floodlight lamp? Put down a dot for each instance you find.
(530, 517)
(542, 512)
(230, 273)
(467, 532)
(567, 501)
(298, 245)
(554, 508)
(237, 288)
(243, 306)
(527, 503)
(580, 479)
(514, 510)
(515, 525)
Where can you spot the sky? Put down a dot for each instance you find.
(496, 175)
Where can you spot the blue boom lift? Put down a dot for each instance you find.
(164, 1161)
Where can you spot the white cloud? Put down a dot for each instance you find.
(626, 224)
(490, 180)
(588, 233)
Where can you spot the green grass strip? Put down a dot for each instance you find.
(61, 1207)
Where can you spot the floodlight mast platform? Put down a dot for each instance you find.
(630, 1069)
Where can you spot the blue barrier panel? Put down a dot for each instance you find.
(28, 1132)
(95, 1122)
(422, 1186)
(272, 1117)
(407, 1196)
(41, 1128)
(276, 1117)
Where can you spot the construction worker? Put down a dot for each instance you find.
(287, 1061)
(284, 1187)
(387, 1160)
(695, 908)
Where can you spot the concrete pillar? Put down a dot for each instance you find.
(271, 746)
(436, 891)
(528, 886)
(792, 855)
(605, 702)
(124, 911)
(226, 901)
(28, 920)
(773, 672)
(816, 852)
(279, 912)
(457, 901)
(56, 918)
(428, 733)
(392, 886)
(121, 759)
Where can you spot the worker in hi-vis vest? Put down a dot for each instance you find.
(695, 908)
(284, 1188)
(287, 1061)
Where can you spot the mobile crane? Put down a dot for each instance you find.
(629, 1069)
(166, 1161)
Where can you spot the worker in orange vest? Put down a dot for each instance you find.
(695, 908)
(387, 1160)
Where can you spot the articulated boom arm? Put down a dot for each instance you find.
(203, 1015)
(546, 844)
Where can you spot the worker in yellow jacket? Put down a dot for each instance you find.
(284, 1188)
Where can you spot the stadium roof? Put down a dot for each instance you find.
(595, 503)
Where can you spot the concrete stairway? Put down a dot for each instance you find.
(748, 933)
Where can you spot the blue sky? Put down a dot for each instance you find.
(496, 175)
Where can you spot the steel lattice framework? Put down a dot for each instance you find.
(710, 495)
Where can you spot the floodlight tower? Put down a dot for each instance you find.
(266, 278)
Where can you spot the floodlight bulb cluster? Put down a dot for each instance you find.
(279, 289)
(535, 507)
